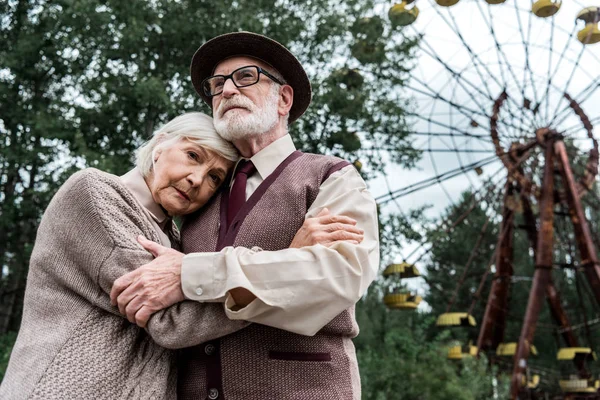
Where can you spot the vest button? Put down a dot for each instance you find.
(213, 394)
(209, 349)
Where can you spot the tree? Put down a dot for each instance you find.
(448, 260)
(83, 83)
(401, 357)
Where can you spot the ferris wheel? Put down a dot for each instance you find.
(506, 103)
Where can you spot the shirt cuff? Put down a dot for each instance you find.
(280, 299)
(201, 279)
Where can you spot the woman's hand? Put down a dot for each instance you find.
(327, 229)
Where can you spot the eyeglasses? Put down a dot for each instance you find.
(241, 77)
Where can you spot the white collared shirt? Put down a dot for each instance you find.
(315, 283)
(266, 161)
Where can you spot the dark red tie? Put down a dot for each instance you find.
(237, 195)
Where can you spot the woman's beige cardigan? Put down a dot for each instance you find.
(73, 344)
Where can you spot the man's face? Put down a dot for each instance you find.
(247, 111)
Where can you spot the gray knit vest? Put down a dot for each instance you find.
(260, 362)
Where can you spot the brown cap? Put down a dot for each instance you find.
(251, 44)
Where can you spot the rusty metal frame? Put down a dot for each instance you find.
(554, 303)
(542, 282)
(494, 319)
(543, 271)
(585, 243)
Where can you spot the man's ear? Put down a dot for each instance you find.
(286, 99)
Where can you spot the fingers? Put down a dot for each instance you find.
(154, 248)
(132, 308)
(138, 313)
(328, 238)
(127, 296)
(343, 227)
(338, 241)
(142, 316)
(333, 219)
(323, 212)
(120, 285)
(345, 236)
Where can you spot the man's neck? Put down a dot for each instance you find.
(251, 145)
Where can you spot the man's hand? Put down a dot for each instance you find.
(326, 229)
(150, 288)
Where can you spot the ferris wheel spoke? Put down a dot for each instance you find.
(453, 130)
(396, 203)
(504, 64)
(590, 89)
(473, 55)
(446, 134)
(466, 111)
(426, 183)
(517, 127)
(527, 70)
(454, 144)
(435, 167)
(456, 75)
(446, 225)
(433, 150)
(553, 75)
(573, 71)
(578, 128)
(549, 84)
(509, 126)
(500, 51)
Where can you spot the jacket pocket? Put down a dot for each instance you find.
(298, 356)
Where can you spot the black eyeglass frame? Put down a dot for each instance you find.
(230, 76)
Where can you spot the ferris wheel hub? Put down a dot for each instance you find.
(543, 135)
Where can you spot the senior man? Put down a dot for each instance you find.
(300, 300)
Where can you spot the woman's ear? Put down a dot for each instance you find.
(156, 154)
(157, 147)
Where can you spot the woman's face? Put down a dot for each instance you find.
(185, 176)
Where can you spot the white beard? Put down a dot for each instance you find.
(237, 124)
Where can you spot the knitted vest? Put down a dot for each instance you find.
(261, 362)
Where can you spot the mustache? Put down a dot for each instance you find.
(232, 102)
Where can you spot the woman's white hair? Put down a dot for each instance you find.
(195, 127)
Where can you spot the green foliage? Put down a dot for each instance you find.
(83, 83)
(401, 357)
(6, 344)
(396, 231)
(448, 260)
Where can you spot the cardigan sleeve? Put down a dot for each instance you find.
(95, 222)
(182, 325)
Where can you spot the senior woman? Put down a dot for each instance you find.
(73, 343)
